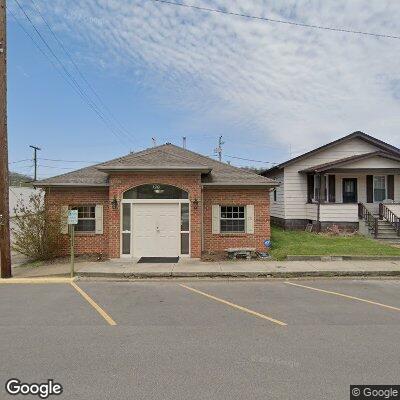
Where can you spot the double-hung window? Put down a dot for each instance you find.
(379, 188)
(233, 219)
(86, 218)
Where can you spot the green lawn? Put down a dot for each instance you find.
(305, 243)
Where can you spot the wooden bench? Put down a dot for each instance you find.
(240, 251)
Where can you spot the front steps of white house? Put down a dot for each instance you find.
(386, 230)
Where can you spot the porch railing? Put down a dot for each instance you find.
(367, 216)
(390, 216)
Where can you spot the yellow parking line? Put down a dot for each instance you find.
(34, 280)
(256, 314)
(94, 304)
(346, 296)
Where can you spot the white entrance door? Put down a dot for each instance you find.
(156, 230)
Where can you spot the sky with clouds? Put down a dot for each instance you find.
(271, 90)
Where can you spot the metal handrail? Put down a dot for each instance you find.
(389, 216)
(367, 216)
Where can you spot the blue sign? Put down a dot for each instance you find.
(267, 243)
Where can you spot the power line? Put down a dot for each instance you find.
(53, 166)
(72, 81)
(279, 21)
(15, 162)
(248, 159)
(58, 40)
(24, 166)
(70, 161)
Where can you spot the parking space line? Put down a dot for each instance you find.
(345, 295)
(94, 304)
(25, 281)
(256, 314)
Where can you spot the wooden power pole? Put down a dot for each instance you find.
(5, 248)
(35, 149)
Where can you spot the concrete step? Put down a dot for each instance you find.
(385, 228)
(388, 236)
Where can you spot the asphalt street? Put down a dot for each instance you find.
(201, 339)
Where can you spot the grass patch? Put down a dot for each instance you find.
(309, 244)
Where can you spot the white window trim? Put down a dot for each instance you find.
(236, 219)
(85, 219)
(275, 195)
(373, 188)
(188, 231)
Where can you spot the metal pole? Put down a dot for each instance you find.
(5, 247)
(72, 234)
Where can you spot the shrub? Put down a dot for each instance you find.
(35, 232)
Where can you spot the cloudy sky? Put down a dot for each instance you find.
(271, 90)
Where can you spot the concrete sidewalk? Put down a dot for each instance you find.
(195, 268)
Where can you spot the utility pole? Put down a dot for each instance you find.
(184, 142)
(35, 149)
(5, 248)
(218, 150)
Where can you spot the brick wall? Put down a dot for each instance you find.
(238, 197)
(85, 243)
(109, 242)
(190, 182)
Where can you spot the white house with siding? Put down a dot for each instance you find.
(340, 183)
(19, 195)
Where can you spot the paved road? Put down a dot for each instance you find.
(222, 340)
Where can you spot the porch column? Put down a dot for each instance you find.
(319, 180)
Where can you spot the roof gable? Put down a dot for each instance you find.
(351, 162)
(379, 144)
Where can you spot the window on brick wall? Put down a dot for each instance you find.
(86, 218)
(232, 219)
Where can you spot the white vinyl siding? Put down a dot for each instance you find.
(373, 162)
(339, 212)
(295, 191)
(277, 208)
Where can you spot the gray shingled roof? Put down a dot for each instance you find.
(164, 157)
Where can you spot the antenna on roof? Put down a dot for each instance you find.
(154, 141)
(184, 142)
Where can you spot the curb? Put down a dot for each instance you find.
(233, 275)
(342, 258)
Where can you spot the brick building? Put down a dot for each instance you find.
(165, 201)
